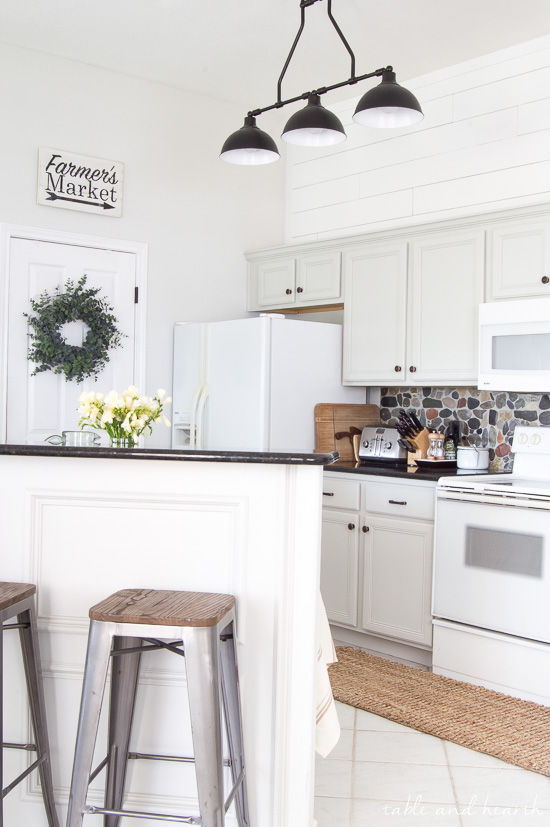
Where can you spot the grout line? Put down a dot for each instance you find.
(352, 778)
(450, 769)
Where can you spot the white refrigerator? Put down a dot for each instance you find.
(252, 384)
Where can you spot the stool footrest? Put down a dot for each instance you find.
(179, 758)
(28, 747)
(90, 810)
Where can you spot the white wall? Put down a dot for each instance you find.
(196, 213)
(484, 144)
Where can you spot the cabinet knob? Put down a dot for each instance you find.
(545, 279)
(397, 368)
(412, 369)
(288, 291)
(365, 528)
(300, 290)
(351, 526)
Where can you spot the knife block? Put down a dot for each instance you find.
(421, 442)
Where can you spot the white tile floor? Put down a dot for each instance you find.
(382, 773)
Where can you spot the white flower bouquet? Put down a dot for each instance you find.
(123, 416)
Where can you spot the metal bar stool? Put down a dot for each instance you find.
(17, 601)
(198, 626)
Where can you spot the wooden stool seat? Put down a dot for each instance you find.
(12, 593)
(163, 608)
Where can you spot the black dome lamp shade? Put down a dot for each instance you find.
(249, 145)
(313, 126)
(388, 105)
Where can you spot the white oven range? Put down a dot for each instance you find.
(491, 599)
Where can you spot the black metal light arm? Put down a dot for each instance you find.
(321, 91)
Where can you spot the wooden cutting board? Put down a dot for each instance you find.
(331, 420)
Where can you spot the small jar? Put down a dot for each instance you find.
(436, 449)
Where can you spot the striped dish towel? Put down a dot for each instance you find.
(328, 726)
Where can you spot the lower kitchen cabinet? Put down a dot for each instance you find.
(340, 565)
(376, 557)
(397, 574)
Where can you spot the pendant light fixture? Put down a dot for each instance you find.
(249, 145)
(314, 126)
(386, 105)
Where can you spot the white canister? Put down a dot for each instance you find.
(468, 456)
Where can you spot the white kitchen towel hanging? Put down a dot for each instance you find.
(328, 725)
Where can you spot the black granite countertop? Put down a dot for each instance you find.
(169, 454)
(402, 470)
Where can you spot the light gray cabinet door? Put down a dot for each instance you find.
(445, 289)
(276, 282)
(397, 578)
(339, 566)
(519, 259)
(375, 296)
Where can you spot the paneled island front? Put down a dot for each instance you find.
(83, 523)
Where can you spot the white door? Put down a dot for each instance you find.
(45, 404)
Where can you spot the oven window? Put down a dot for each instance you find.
(530, 351)
(504, 551)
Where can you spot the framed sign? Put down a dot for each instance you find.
(79, 182)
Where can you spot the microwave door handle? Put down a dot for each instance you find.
(200, 415)
(194, 416)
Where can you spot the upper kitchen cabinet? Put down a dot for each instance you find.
(519, 259)
(413, 319)
(293, 282)
(375, 313)
(446, 275)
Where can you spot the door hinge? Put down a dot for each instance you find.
(136, 295)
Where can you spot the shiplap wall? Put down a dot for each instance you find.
(484, 144)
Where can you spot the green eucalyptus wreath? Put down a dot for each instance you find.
(47, 346)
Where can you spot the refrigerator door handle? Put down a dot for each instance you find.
(200, 416)
(194, 417)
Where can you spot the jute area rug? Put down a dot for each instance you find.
(513, 730)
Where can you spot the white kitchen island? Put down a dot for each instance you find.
(83, 523)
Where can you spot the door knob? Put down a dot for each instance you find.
(545, 279)
(412, 369)
(300, 290)
(288, 291)
(397, 368)
(365, 528)
(351, 526)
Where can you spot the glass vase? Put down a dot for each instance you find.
(123, 442)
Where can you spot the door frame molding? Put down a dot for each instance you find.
(138, 248)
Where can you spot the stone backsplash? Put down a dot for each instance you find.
(487, 418)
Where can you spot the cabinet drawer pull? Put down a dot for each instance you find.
(351, 526)
(398, 502)
(328, 494)
(288, 291)
(545, 279)
(365, 529)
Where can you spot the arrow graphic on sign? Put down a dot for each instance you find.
(52, 196)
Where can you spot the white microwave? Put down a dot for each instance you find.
(514, 345)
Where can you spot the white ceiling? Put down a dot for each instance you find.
(235, 49)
